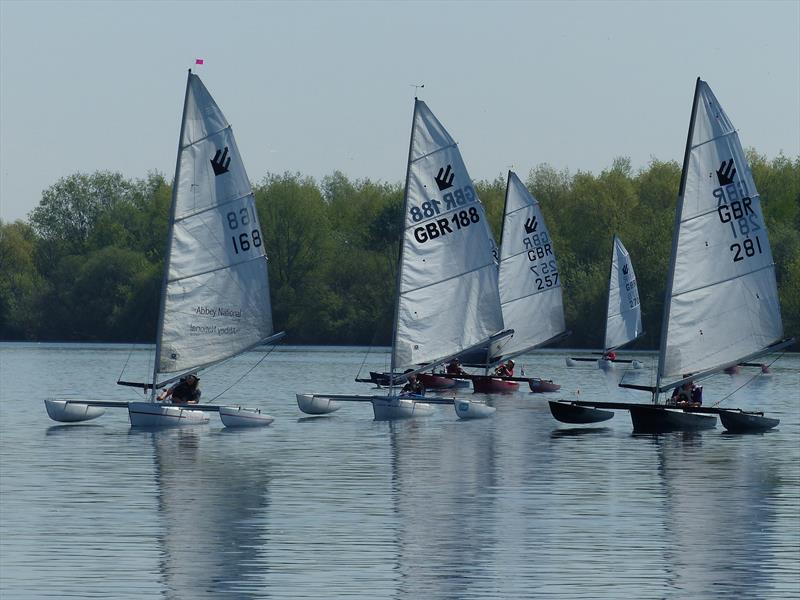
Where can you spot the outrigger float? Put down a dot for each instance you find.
(721, 308)
(215, 291)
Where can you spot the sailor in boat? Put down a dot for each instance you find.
(186, 391)
(610, 356)
(505, 369)
(454, 368)
(413, 386)
(687, 394)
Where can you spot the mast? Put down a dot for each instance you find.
(400, 253)
(675, 233)
(168, 250)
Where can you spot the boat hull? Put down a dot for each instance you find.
(71, 412)
(737, 421)
(659, 419)
(570, 362)
(236, 416)
(316, 405)
(543, 385)
(390, 409)
(567, 412)
(473, 410)
(435, 382)
(152, 414)
(605, 365)
(493, 385)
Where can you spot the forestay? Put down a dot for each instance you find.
(530, 284)
(216, 299)
(624, 314)
(722, 301)
(448, 296)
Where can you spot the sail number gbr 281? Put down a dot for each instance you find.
(241, 224)
(743, 221)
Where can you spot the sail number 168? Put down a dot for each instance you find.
(247, 238)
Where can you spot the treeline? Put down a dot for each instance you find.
(87, 264)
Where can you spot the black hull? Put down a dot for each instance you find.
(737, 421)
(571, 413)
(658, 419)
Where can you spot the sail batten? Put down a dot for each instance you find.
(216, 298)
(722, 302)
(448, 299)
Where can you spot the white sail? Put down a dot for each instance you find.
(216, 302)
(722, 302)
(624, 313)
(530, 284)
(448, 296)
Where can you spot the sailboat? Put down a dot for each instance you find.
(721, 305)
(530, 289)
(623, 310)
(447, 290)
(215, 292)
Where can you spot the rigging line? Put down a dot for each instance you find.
(748, 382)
(250, 370)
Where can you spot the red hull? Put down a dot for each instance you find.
(492, 385)
(435, 382)
(541, 385)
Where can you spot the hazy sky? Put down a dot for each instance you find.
(316, 87)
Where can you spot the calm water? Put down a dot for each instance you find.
(517, 506)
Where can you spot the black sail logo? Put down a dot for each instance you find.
(445, 178)
(531, 224)
(220, 162)
(726, 172)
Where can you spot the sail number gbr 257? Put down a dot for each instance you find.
(241, 224)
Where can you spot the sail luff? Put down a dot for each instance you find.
(675, 233)
(170, 230)
(608, 295)
(402, 244)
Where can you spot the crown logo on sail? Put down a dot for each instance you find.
(219, 162)
(726, 172)
(531, 224)
(445, 178)
(625, 269)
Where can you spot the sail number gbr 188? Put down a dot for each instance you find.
(241, 224)
(445, 225)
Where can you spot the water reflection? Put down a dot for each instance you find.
(717, 516)
(442, 486)
(212, 509)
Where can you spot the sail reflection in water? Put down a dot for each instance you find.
(211, 508)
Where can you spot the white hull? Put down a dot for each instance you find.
(236, 416)
(473, 410)
(316, 405)
(71, 412)
(605, 365)
(389, 409)
(570, 362)
(152, 414)
(637, 364)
